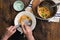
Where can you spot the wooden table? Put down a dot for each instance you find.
(43, 31)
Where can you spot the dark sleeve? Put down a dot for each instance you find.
(17, 36)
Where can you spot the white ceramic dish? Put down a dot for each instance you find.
(27, 14)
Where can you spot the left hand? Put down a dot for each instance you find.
(10, 31)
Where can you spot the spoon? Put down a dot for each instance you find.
(25, 22)
(55, 5)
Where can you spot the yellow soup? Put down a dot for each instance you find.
(24, 17)
(43, 12)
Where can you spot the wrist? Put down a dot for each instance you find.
(5, 38)
(30, 37)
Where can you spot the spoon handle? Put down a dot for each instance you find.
(56, 4)
(17, 26)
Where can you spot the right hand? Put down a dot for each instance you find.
(28, 32)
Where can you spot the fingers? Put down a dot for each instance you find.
(13, 31)
(11, 28)
(14, 28)
(10, 31)
(23, 28)
(27, 27)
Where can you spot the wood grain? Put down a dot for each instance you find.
(7, 14)
(43, 31)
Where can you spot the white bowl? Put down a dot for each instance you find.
(27, 14)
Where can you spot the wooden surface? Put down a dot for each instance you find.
(47, 31)
(43, 31)
(7, 13)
